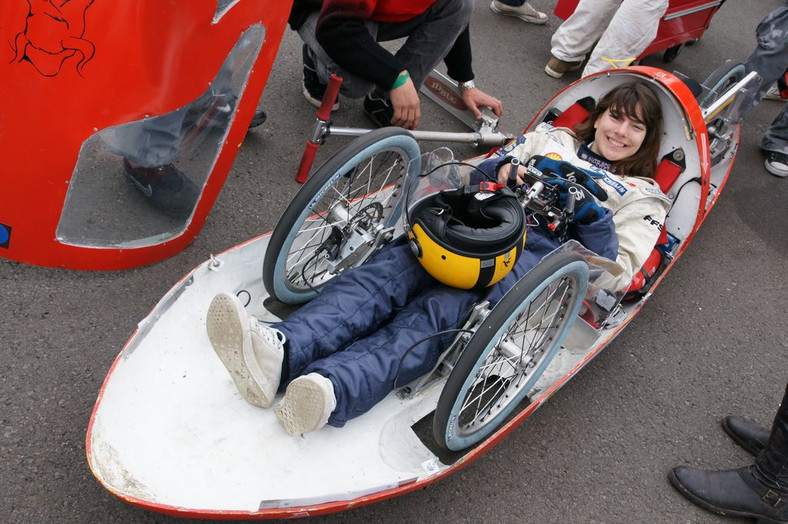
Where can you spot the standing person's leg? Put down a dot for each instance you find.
(631, 30)
(770, 60)
(756, 491)
(770, 56)
(429, 36)
(771, 466)
(574, 38)
(775, 145)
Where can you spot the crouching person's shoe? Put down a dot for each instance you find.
(165, 188)
(746, 434)
(251, 352)
(731, 493)
(307, 404)
(557, 68)
(378, 108)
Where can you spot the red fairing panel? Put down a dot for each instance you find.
(94, 91)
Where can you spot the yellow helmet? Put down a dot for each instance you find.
(468, 237)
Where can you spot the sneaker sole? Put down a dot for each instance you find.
(553, 72)
(559, 74)
(229, 336)
(782, 173)
(524, 18)
(303, 409)
(315, 102)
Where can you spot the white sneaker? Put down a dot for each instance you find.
(308, 402)
(774, 94)
(525, 12)
(252, 353)
(776, 163)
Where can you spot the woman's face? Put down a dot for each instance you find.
(617, 136)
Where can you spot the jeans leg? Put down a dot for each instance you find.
(771, 466)
(770, 57)
(352, 86)
(776, 138)
(429, 36)
(149, 143)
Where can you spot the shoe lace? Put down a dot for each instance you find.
(270, 335)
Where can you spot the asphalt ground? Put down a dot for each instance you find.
(712, 340)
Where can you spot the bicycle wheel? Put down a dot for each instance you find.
(509, 351)
(724, 77)
(340, 216)
(717, 124)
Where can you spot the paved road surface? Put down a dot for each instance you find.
(712, 341)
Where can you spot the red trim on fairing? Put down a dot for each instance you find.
(150, 57)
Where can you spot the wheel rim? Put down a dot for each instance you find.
(515, 361)
(366, 195)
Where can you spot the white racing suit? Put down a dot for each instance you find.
(624, 30)
(639, 207)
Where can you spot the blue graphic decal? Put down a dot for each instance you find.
(5, 235)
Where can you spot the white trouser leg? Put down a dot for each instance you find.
(574, 38)
(632, 29)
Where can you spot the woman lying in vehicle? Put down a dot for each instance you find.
(338, 355)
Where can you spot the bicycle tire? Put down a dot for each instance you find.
(482, 367)
(372, 168)
(726, 75)
(718, 83)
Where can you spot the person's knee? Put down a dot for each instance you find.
(459, 9)
(466, 8)
(356, 88)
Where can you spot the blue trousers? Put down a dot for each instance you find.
(360, 331)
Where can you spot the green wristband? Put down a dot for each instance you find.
(400, 81)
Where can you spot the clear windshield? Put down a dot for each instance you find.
(137, 184)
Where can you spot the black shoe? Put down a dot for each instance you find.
(313, 88)
(746, 434)
(258, 119)
(378, 109)
(731, 493)
(166, 188)
(776, 163)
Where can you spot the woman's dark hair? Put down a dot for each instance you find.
(638, 102)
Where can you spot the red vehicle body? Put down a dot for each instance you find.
(75, 71)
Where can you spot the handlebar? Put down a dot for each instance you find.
(539, 197)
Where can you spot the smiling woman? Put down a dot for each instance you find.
(626, 126)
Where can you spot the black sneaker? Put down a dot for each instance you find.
(166, 188)
(776, 163)
(313, 88)
(378, 109)
(258, 119)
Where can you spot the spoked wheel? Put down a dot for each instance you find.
(344, 212)
(509, 351)
(721, 80)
